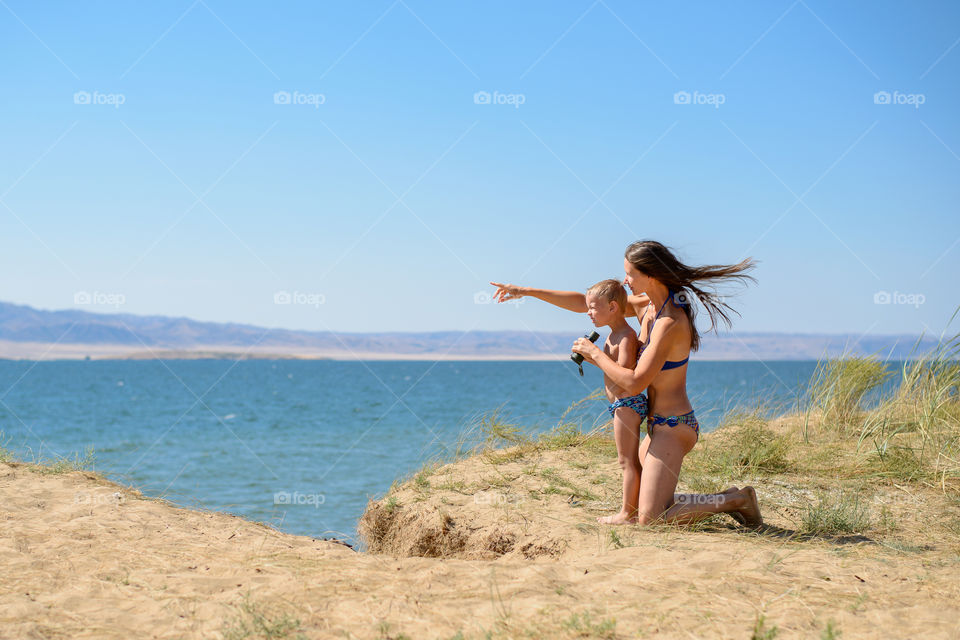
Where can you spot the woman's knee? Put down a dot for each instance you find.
(649, 510)
(646, 516)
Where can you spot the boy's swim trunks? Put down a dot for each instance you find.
(638, 403)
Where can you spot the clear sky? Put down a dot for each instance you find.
(381, 161)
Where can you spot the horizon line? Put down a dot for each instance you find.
(705, 333)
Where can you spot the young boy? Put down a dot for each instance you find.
(606, 303)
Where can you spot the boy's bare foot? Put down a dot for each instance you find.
(750, 509)
(620, 518)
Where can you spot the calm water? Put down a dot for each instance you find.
(244, 436)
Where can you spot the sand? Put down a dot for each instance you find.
(83, 557)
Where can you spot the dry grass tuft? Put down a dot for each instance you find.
(839, 387)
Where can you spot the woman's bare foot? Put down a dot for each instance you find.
(620, 518)
(749, 510)
(736, 515)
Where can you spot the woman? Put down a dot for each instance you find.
(667, 335)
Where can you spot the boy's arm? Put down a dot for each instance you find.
(632, 378)
(569, 300)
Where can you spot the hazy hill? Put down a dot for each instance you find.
(25, 330)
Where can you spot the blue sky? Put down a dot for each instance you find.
(150, 163)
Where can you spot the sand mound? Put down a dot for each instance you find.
(501, 545)
(484, 508)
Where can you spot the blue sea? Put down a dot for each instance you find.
(304, 444)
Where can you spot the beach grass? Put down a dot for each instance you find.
(53, 465)
(253, 621)
(761, 631)
(862, 430)
(66, 464)
(913, 434)
(836, 512)
(5, 454)
(744, 446)
(839, 386)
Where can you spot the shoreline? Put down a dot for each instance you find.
(428, 347)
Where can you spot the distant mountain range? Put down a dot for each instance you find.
(31, 333)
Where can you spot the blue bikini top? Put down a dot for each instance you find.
(669, 364)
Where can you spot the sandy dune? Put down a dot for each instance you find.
(85, 558)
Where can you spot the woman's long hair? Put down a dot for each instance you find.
(657, 261)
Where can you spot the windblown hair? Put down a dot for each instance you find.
(611, 291)
(657, 261)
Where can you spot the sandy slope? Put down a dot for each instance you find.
(85, 558)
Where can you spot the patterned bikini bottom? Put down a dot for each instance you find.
(672, 421)
(639, 404)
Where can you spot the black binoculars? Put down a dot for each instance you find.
(576, 357)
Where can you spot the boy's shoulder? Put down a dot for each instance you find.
(625, 333)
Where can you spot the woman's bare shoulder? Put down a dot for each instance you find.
(673, 328)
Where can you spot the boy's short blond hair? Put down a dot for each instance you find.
(610, 290)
